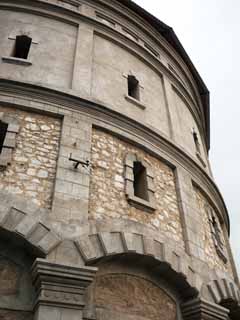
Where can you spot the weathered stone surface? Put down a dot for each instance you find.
(33, 167)
(107, 193)
(127, 295)
(207, 241)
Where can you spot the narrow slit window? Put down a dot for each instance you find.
(22, 47)
(133, 87)
(3, 132)
(196, 141)
(140, 181)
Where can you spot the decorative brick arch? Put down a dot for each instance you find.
(23, 219)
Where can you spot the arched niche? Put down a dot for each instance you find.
(130, 287)
(123, 296)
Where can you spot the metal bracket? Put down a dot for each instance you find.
(84, 164)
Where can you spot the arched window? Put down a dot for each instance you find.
(22, 47)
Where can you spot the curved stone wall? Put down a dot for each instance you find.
(93, 58)
(78, 140)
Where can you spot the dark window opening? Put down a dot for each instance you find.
(133, 87)
(22, 47)
(196, 141)
(140, 181)
(3, 132)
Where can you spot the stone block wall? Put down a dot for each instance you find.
(31, 173)
(107, 189)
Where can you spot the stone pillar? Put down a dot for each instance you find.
(199, 309)
(60, 290)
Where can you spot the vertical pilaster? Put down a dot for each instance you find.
(169, 100)
(60, 290)
(71, 194)
(82, 69)
(191, 219)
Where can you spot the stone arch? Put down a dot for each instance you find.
(24, 220)
(222, 289)
(174, 266)
(226, 293)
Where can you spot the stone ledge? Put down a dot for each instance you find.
(198, 155)
(199, 309)
(141, 204)
(19, 61)
(135, 101)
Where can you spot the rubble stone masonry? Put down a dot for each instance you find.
(107, 193)
(33, 167)
(211, 256)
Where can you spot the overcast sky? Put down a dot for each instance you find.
(210, 32)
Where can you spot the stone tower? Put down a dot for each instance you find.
(108, 207)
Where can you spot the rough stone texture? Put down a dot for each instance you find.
(107, 194)
(32, 171)
(210, 253)
(127, 295)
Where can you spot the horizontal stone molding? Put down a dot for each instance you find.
(199, 309)
(24, 220)
(60, 103)
(72, 10)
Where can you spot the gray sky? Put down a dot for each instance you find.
(210, 31)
